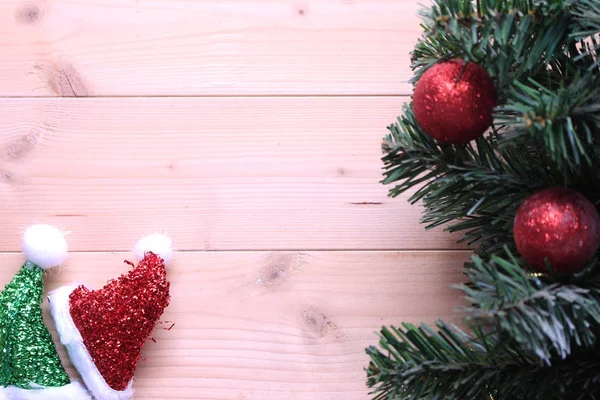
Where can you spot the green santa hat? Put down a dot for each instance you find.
(30, 367)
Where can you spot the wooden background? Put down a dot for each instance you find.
(249, 131)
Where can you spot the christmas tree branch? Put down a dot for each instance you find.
(424, 363)
(565, 120)
(414, 363)
(556, 124)
(509, 38)
(532, 337)
(586, 16)
(547, 318)
(473, 185)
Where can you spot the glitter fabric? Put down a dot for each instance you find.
(28, 354)
(454, 103)
(558, 224)
(116, 320)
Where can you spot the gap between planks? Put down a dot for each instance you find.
(286, 250)
(217, 96)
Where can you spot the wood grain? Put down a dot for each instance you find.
(250, 132)
(202, 47)
(273, 325)
(218, 173)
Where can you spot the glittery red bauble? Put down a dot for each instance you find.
(558, 224)
(454, 103)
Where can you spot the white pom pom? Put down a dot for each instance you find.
(156, 243)
(45, 246)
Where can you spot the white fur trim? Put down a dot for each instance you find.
(72, 391)
(45, 246)
(3, 393)
(71, 338)
(158, 244)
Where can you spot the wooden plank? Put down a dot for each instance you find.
(203, 47)
(273, 325)
(218, 173)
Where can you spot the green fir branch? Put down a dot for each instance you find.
(531, 337)
(586, 18)
(511, 39)
(423, 363)
(477, 188)
(471, 188)
(566, 119)
(547, 317)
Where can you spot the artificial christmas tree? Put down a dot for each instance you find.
(523, 195)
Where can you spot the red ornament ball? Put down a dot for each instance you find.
(558, 224)
(454, 103)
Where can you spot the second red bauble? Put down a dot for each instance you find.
(454, 103)
(558, 224)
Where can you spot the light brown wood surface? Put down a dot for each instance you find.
(285, 325)
(250, 132)
(204, 47)
(216, 173)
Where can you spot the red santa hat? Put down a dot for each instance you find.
(104, 330)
